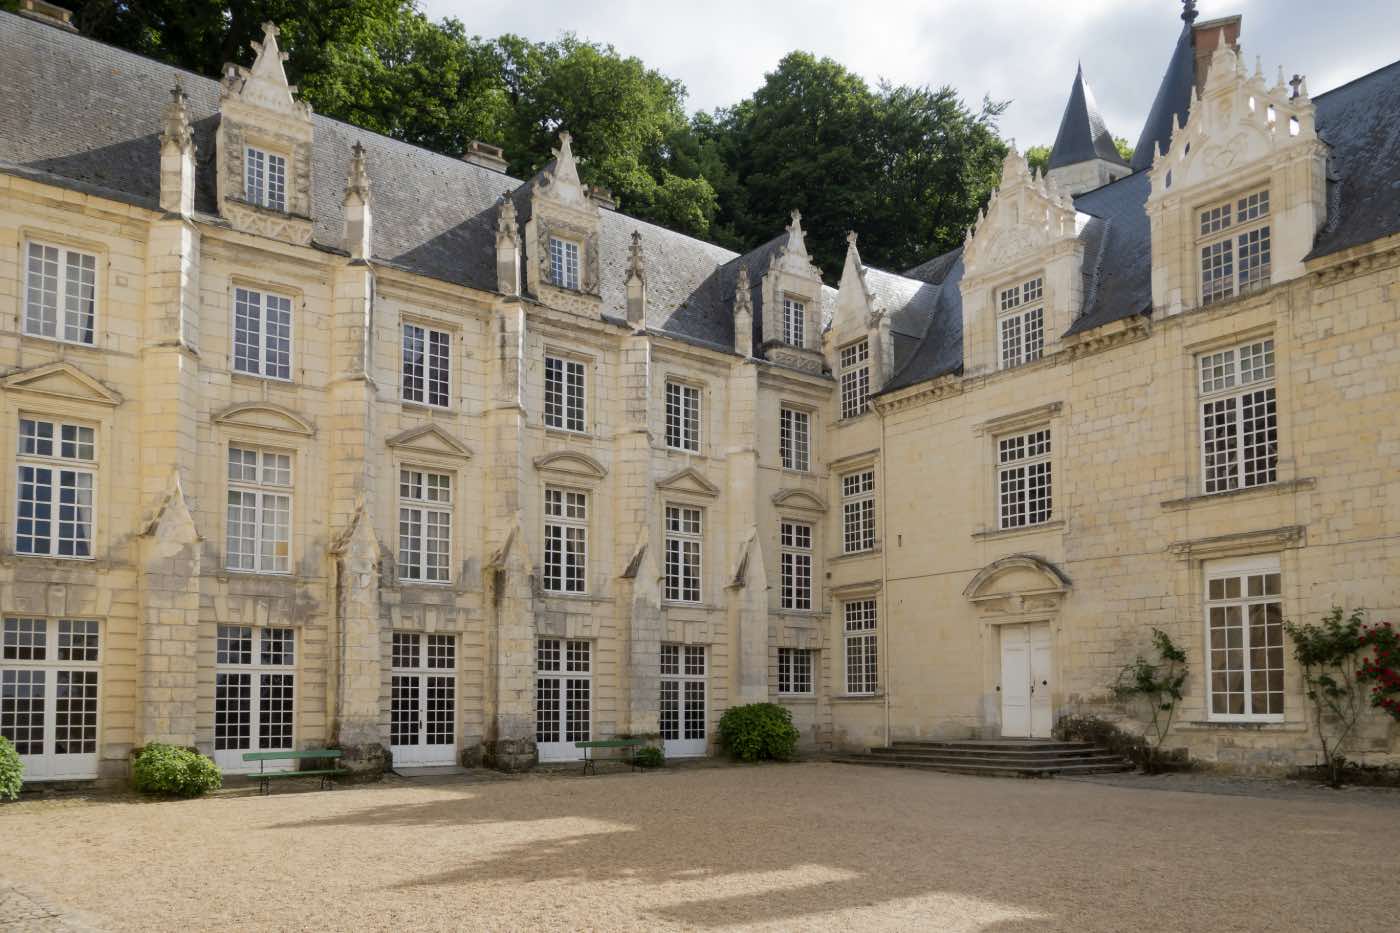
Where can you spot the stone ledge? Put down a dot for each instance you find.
(1295, 485)
(1211, 726)
(993, 534)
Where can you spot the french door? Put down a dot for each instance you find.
(683, 700)
(423, 700)
(254, 695)
(49, 674)
(563, 698)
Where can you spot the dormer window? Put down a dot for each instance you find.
(1235, 247)
(265, 179)
(855, 378)
(794, 314)
(563, 263)
(1021, 323)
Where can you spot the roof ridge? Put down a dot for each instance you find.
(1359, 78)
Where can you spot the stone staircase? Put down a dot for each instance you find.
(994, 757)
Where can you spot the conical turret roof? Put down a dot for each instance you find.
(1083, 136)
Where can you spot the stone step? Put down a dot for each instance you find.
(992, 745)
(1006, 755)
(995, 770)
(982, 760)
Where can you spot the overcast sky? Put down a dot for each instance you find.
(1011, 49)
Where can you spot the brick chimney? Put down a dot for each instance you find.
(50, 14)
(486, 155)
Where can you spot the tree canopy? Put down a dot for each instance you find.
(905, 167)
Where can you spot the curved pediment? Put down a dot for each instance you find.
(689, 480)
(429, 439)
(61, 380)
(571, 462)
(1021, 576)
(798, 499)
(265, 416)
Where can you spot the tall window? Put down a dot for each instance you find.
(683, 541)
(682, 712)
(425, 526)
(1021, 323)
(1235, 247)
(1244, 619)
(254, 691)
(48, 695)
(262, 333)
(60, 294)
(794, 321)
(563, 694)
(1023, 479)
(423, 695)
(858, 511)
(682, 417)
(794, 438)
(265, 179)
(54, 492)
(563, 393)
(1239, 417)
(426, 357)
(795, 671)
(795, 547)
(565, 540)
(563, 263)
(855, 378)
(259, 510)
(862, 647)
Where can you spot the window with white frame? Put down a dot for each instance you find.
(425, 526)
(795, 438)
(682, 709)
(60, 293)
(858, 512)
(423, 694)
(794, 321)
(427, 355)
(563, 263)
(564, 400)
(565, 540)
(563, 695)
(855, 378)
(1244, 628)
(1024, 479)
(1021, 323)
(262, 333)
(682, 416)
(684, 538)
(1239, 417)
(1235, 247)
(862, 647)
(56, 481)
(259, 510)
(49, 670)
(795, 671)
(254, 692)
(795, 554)
(265, 179)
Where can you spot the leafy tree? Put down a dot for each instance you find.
(1159, 683)
(1328, 654)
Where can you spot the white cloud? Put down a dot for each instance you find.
(1010, 49)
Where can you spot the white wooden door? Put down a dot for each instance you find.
(1040, 680)
(683, 708)
(254, 696)
(423, 700)
(563, 698)
(1015, 681)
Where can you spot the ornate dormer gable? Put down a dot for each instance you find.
(743, 314)
(859, 316)
(359, 203)
(1241, 191)
(636, 283)
(177, 155)
(264, 148)
(562, 234)
(1022, 281)
(792, 303)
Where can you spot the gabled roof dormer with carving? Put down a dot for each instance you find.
(1247, 163)
(264, 143)
(790, 278)
(861, 313)
(1029, 233)
(561, 224)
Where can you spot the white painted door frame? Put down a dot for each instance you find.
(423, 699)
(1026, 667)
(50, 696)
(684, 700)
(563, 697)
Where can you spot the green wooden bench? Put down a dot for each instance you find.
(265, 777)
(631, 746)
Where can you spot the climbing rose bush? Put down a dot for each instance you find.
(1381, 670)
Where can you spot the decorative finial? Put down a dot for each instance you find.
(743, 285)
(505, 217)
(635, 265)
(1295, 82)
(176, 124)
(1188, 11)
(357, 179)
(796, 219)
(850, 238)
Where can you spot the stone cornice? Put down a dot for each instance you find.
(1240, 544)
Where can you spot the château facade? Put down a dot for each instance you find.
(312, 436)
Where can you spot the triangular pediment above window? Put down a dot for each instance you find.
(61, 380)
(689, 481)
(571, 462)
(430, 439)
(265, 416)
(799, 499)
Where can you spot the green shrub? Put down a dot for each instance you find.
(175, 772)
(650, 756)
(758, 731)
(11, 770)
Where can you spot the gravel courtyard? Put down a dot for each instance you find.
(806, 846)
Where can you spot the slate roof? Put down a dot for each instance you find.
(1173, 98)
(1083, 135)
